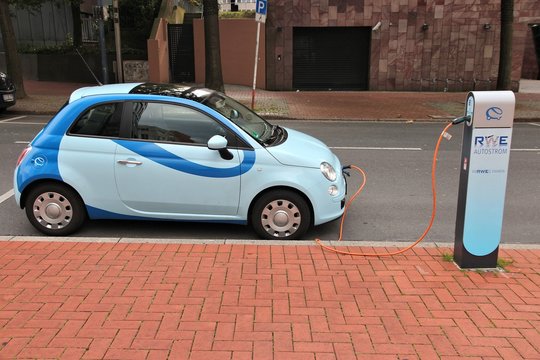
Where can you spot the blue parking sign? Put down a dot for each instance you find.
(261, 7)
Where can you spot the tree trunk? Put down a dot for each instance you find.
(13, 62)
(213, 74)
(504, 79)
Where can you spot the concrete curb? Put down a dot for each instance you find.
(333, 243)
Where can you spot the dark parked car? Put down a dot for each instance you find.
(7, 92)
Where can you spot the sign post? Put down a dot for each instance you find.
(117, 43)
(482, 184)
(260, 17)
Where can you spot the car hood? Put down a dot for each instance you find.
(303, 150)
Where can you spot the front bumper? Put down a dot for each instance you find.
(332, 208)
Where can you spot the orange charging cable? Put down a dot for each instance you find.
(350, 201)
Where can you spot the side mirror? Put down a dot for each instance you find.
(219, 143)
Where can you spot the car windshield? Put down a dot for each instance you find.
(249, 121)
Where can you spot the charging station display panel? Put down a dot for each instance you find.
(489, 157)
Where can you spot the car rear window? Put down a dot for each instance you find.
(101, 120)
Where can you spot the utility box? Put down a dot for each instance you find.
(485, 155)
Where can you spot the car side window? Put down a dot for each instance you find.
(101, 120)
(172, 123)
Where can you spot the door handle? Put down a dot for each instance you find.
(129, 162)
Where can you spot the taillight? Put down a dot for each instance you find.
(23, 154)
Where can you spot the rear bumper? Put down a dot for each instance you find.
(7, 98)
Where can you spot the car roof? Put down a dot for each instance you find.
(174, 90)
(102, 90)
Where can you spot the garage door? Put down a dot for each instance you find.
(334, 58)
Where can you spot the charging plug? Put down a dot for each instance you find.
(459, 120)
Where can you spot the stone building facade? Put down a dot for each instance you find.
(411, 44)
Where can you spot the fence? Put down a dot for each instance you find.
(50, 25)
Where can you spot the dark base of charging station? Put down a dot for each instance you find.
(466, 260)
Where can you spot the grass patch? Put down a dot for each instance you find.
(448, 257)
(503, 263)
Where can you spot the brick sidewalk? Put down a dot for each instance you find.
(178, 301)
(46, 97)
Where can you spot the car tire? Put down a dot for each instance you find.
(55, 209)
(281, 215)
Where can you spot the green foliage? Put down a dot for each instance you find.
(503, 263)
(244, 14)
(27, 4)
(448, 257)
(64, 48)
(46, 49)
(136, 20)
(34, 5)
(69, 48)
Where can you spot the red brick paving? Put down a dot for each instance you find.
(180, 301)
(47, 97)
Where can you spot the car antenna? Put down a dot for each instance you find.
(88, 67)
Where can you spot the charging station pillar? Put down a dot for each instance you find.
(482, 183)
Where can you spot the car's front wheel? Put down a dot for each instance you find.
(55, 209)
(281, 215)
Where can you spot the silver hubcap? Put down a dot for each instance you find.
(52, 210)
(281, 218)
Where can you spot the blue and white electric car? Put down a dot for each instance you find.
(167, 152)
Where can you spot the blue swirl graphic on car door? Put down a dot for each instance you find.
(163, 157)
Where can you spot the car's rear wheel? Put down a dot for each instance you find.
(282, 215)
(55, 209)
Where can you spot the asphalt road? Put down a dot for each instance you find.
(395, 205)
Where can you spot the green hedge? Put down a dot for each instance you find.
(244, 14)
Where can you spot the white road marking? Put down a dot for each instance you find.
(6, 196)
(534, 124)
(21, 142)
(373, 148)
(404, 149)
(14, 118)
(24, 123)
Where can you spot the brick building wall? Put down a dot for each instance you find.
(460, 43)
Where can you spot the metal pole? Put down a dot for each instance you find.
(102, 48)
(117, 42)
(255, 67)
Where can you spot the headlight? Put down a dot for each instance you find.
(328, 171)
